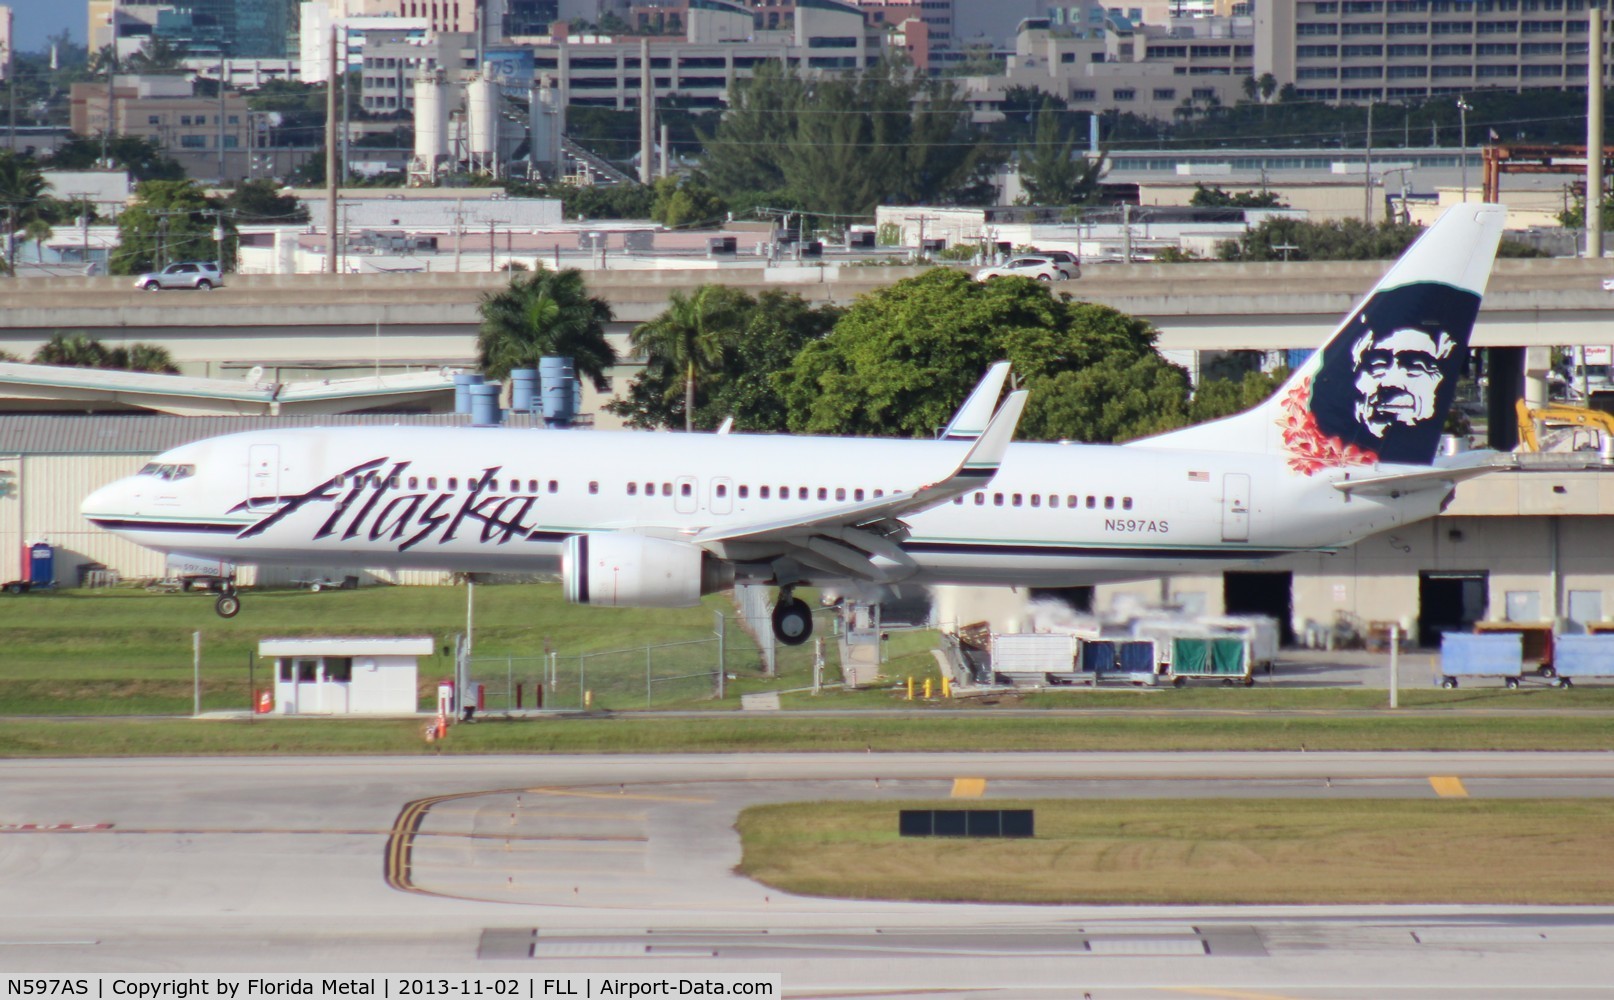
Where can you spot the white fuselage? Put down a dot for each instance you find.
(504, 500)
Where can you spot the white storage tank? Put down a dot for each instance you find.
(431, 119)
(482, 110)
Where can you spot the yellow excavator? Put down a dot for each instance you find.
(1572, 416)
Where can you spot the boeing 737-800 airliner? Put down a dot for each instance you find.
(1346, 448)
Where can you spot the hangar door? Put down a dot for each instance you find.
(1450, 602)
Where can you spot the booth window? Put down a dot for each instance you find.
(339, 668)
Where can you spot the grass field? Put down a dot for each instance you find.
(1206, 851)
(129, 652)
(732, 732)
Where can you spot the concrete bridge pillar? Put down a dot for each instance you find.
(1505, 367)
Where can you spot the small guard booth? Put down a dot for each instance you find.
(347, 675)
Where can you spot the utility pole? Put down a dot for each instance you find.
(1594, 132)
(1367, 170)
(111, 106)
(647, 113)
(1463, 108)
(221, 120)
(493, 243)
(330, 158)
(459, 230)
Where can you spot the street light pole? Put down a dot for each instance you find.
(1463, 108)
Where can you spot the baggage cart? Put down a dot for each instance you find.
(1225, 658)
(1494, 654)
(1578, 657)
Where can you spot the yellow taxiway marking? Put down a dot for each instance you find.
(567, 793)
(1449, 787)
(969, 788)
(1207, 991)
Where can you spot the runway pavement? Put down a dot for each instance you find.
(623, 864)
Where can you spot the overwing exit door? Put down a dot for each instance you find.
(1235, 507)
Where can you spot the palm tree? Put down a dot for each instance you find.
(690, 334)
(545, 313)
(22, 195)
(143, 358)
(73, 350)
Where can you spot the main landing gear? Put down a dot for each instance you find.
(228, 604)
(792, 619)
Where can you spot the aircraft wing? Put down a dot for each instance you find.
(1398, 483)
(859, 540)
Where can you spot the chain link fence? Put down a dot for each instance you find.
(655, 676)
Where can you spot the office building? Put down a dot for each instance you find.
(1387, 50)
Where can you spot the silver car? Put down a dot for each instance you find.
(202, 275)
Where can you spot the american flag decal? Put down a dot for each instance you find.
(1199, 477)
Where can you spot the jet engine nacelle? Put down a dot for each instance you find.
(617, 569)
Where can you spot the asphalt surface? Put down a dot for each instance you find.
(624, 864)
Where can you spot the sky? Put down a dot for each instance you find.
(34, 21)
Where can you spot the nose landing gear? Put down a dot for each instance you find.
(792, 619)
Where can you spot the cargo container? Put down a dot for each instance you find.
(1495, 654)
(1227, 658)
(1582, 656)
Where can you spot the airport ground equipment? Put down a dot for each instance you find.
(1134, 660)
(1568, 416)
(1537, 639)
(1262, 631)
(1226, 658)
(1583, 656)
(1494, 654)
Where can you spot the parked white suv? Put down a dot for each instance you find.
(1041, 268)
(202, 275)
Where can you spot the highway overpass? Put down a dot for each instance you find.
(352, 321)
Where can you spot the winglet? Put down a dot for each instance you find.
(971, 419)
(987, 453)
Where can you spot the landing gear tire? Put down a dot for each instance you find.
(227, 606)
(792, 621)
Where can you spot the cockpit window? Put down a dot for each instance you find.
(168, 470)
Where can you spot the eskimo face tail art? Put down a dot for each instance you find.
(1384, 386)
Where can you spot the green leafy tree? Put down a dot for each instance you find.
(843, 145)
(1215, 197)
(682, 202)
(544, 313)
(261, 201)
(770, 329)
(903, 358)
(169, 221)
(688, 337)
(143, 158)
(22, 198)
(1223, 397)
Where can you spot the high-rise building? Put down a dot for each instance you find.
(202, 29)
(1388, 50)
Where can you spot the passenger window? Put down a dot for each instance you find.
(1109, 503)
(684, 489)
(840, 493)
(801, 493)
(554, 486)
(392, 481)
(745, 491)
(1126, 503)
(431, 482)
(633, 489)
(763, 493)
(532, 486)
(958, 501)
(980, 499)
(997, 499)
(1036, 499)
(1092, 502)
(722, 490)
(593, 486)
(1017, 499)
(515, 486)
(666, 489)
(453, 483)
(823, 493)
(858, 496)
(1053, 500)
(878, 494)
(1072, 501)
(414, 483)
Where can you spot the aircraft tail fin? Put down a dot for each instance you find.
(1380, 388)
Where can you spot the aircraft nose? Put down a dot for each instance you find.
(109, 501)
